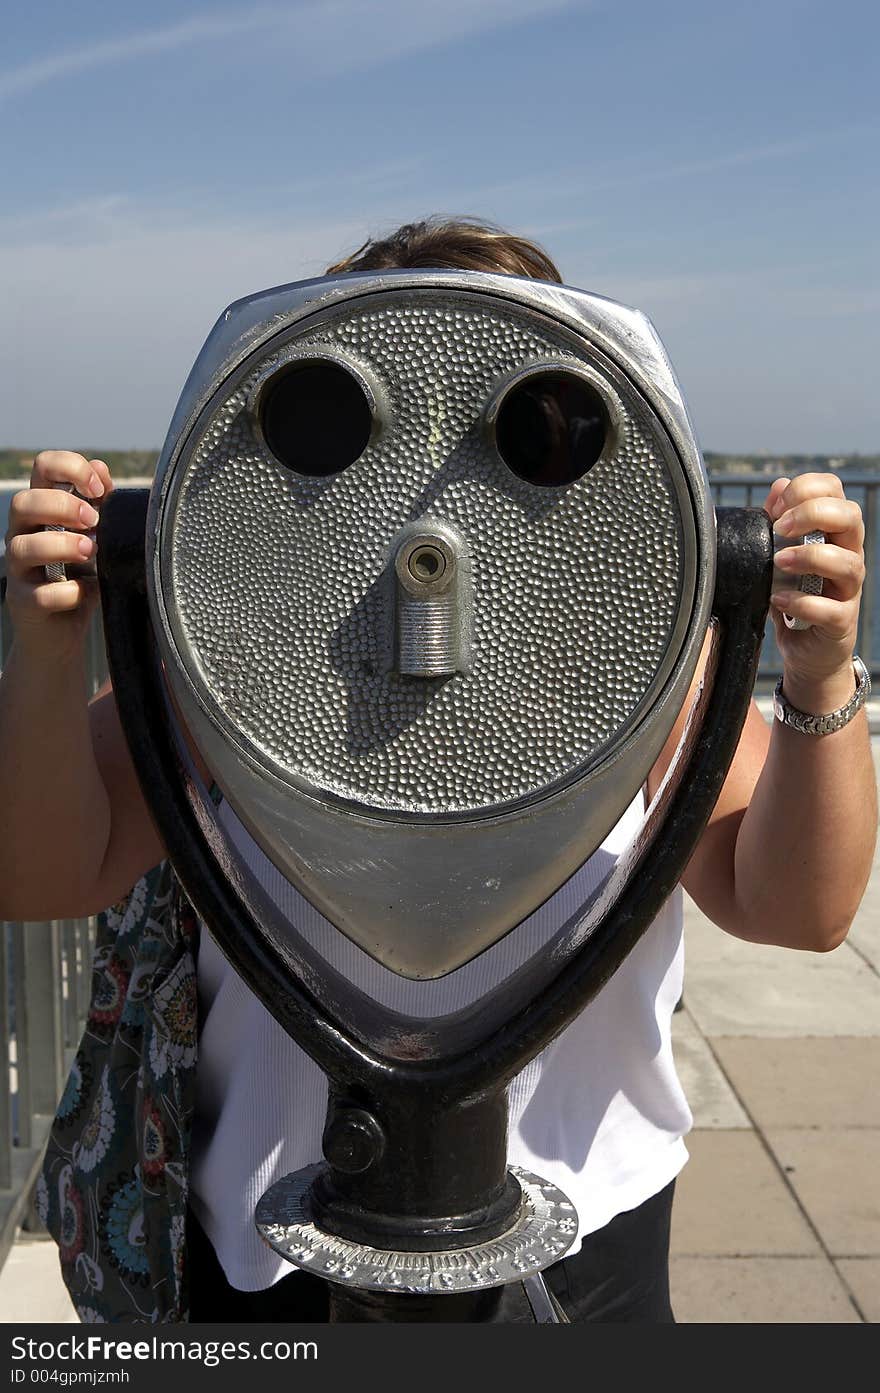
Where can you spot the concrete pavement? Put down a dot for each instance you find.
(777, 1214)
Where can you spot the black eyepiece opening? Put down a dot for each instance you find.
(315, 418)
(551, 428)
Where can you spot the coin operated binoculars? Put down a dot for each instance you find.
(423, 580)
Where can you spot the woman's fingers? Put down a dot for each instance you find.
(47, 523)
(833, 619)
(822, 639)
(103, 472)
(805, 486)
(773, 503)
(816, 503)
(31, 550)
(837, 517)
(47, 526)
(58, 596)
(841, 570)
(89, 477)
(46, 507)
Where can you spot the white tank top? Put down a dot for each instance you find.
(600, 1112)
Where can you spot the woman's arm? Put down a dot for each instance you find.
(787, 852)
(75, 833)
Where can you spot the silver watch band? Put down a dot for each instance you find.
(835, 720)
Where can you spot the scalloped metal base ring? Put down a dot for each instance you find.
(543, 1232)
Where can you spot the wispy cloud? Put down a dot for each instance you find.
(116, 220)
(779, 150)
(127, 48)
(554, 186)
(322, 35)
(94, 219)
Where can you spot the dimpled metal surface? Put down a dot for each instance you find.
(278, 579)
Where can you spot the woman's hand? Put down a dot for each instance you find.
(817, 662)
(787, 852)
(53, 615)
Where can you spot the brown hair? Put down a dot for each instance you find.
(456, 243)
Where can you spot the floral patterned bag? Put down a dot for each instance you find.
(113, 1186)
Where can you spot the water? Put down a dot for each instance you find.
(735, 495)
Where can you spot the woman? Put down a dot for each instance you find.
(145, 1208)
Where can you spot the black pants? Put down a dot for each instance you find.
(620, 1274)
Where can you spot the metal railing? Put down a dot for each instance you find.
(45, 968)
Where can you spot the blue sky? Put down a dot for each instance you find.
(713, 164)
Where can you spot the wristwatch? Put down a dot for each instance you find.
(835, 720)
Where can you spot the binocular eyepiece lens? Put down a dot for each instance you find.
(315, 418)
(552, 428)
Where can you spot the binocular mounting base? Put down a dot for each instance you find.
(543, 1231)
